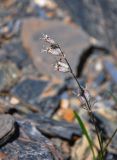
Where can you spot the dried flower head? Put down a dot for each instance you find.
(47, 39)
(61, 66)
(83, 96)
(52, 51)
(55, 52)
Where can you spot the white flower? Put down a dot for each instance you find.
(52, 51)
(56, 51)
(63, 64)
(62, 67)
(47, 39)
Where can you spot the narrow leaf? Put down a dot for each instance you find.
(85, 132)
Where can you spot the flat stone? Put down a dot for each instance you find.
(49, 101)
(71, 38)
(53, 128)
(30, 144)
(17, 54)
(103, 27)
(48, 106)
(29, 89)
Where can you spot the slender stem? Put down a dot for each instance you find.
(81, 89)
(74, 76)
(94, 122)
(110, 140)
(90, 113)
(87, 103)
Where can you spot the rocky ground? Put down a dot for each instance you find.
(36, 102)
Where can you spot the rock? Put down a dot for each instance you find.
(38, 95)
(64, 147)
(50, 98)
(29, 89)
(55, 88)
(99, 80)
(85, 14)
(30, 144)
(93, 67)
(108, 126)
(74, 41)
(9, 30)
(7, 128)
(68, 103)
(15, 10)
(12, 104)
(9, 75)
(53, 128)
(48, 106)
(66, 114)
(111, 69)
(17, 54)
(81, 150)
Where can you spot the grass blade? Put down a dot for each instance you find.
(85, 132)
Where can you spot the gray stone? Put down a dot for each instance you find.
(30, 144)
(53, 128)
(29, 89)
(97, 17)
(48, 106)
(111, 69)
(71, 39)
(9, 75)
(108, 127)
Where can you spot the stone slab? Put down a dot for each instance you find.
(71, 39)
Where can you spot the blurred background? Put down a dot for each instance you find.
(31, 89)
